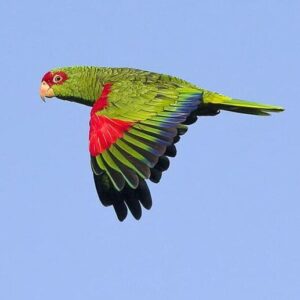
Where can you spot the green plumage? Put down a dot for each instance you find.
(159, 107)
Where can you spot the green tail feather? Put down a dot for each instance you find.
(240, 106)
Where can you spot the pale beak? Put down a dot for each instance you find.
(46, 91)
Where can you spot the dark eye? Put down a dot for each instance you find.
(57, 78)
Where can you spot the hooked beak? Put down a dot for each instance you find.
(46, 91)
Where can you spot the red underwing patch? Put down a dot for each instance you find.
(104, 131)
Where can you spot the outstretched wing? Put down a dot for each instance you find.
(133, 129)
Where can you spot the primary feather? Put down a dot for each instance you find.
(136, 118)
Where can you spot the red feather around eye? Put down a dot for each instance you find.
(49, 77)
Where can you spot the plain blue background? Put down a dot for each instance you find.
(226, 216)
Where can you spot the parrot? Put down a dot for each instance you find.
(136, 118)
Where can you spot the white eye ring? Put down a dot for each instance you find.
(57, 78)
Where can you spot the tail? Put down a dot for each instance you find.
(218, 101)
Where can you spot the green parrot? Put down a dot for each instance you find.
(136, 119)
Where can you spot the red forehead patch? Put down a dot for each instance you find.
(51, 77)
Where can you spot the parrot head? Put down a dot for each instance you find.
(76, 84)
(50, 82)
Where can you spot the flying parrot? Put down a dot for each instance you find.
(136, 119)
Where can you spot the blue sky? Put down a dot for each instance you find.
(225, 221)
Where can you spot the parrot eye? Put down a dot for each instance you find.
(57, 78)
